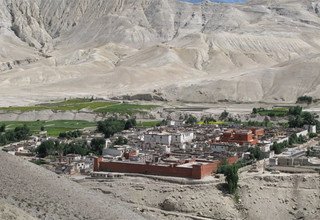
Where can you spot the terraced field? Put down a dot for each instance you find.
(54, 128)
(84, 104)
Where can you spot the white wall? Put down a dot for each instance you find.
(303, 133)
(163, 139)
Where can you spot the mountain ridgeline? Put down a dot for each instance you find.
(265, 50)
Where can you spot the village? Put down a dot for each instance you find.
(176, 148)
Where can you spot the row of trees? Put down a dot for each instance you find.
(299, 120)
(111, 126)
(18, 134)
(191, 119)
(55, 148)
(305, 99)
(70, 134)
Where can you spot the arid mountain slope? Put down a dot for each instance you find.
(44, 195)
(258, 51)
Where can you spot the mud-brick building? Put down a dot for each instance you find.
(242, 136)
(194, 169)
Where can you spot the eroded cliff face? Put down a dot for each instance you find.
(258, 51)
(26, 23)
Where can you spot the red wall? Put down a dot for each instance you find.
(200, 171)
(196, 172)
(96, 163)
(145, 169)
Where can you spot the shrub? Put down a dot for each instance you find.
(313, 135)
(305, 99)
(224, 115)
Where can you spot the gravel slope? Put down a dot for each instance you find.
(45, 195)
(9, 212)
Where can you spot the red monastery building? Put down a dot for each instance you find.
(242, 136)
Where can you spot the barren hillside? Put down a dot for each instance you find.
(45, 195)
(261, 50)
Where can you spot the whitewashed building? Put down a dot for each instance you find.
(158, 138)
(175, 123)
(165, 138)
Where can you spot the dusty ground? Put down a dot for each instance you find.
(45, 195)
(196, 200)
(261, 196)
(281, 197)
(9, 212)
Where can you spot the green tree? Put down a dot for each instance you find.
(305, 99)
(224, 115)
(313, 135)
(111, 126)
(256, 153)
(279, 147)
(97, 145)
(308, 118)
(208, 119)
(266, 121)
(120, 141)
(3, 140)
(162, 123)
(77, 147)
(296, 110)
(254, 111)
(2, 128)
(191, 120)
(130, 123)
(70, 134)
(231, 174)
(45, 148)
(22, 133)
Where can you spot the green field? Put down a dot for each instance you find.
(80, 104)
(54, 128)
(147, 124)
(279, 112)
(124, 108)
